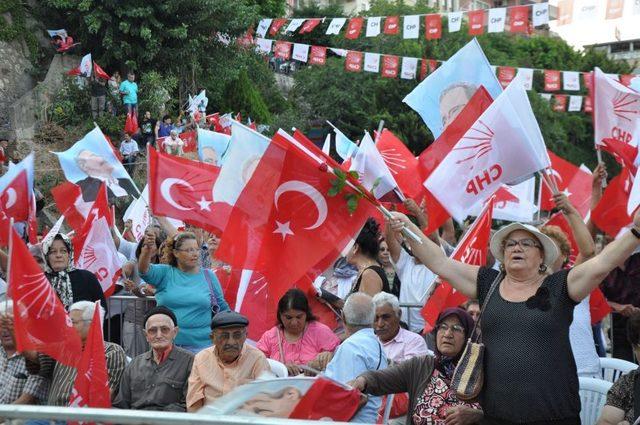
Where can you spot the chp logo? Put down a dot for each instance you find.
(626, 107)
(394, 160)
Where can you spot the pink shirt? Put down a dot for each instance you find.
(317, 337)
(405, 345)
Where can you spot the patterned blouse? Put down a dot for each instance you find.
(432, 406)
(620, 395)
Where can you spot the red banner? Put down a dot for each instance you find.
(282, 50)
(390, 65)
(317, 55)
(626, 79)
(423, 69)
(551, 80)
(353, 62)
(309, 25)
(276, 25)
(560, 102)
(588, 81)
(476, 22)
(354, 28)
(433, 26)
(614, 9)
(588, 104)
(519, 18)
(506, 74)
(391, 25)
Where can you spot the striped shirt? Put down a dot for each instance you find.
(63, 377)
(16, 381)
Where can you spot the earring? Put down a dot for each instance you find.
(542, 269)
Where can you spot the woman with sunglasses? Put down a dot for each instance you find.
(192, 292)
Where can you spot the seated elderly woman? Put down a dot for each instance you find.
(621, 403)
(298, 338)
(427, 378)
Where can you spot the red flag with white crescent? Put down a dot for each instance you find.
(68, 199)
(572, 181)
(16, 189)
(472, 249)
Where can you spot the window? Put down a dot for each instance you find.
(620, 47)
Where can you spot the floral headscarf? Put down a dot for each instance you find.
(61, 281)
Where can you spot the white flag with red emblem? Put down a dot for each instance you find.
(138, 213)
(616, 111)
(374, 173)
(504, 145)
(514, 203)
(100, 256)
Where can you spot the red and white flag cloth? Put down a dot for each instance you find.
(624, 153)
(504, 145)
(327, 399)
(514, 203)
(616, 111)
(99, 255)
(16, 190)
(373, 172)
(85, 67)
(284, 210)
(472, 249)
(183, 189)
(610, 215)
(402, 164)
(91, 387)
(138, 213)
(570, 179)
(68, 199)
(40, 320)
(634, 196)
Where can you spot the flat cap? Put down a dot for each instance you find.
(226, 319)
(161, 310)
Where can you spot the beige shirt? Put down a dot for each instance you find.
(211, 379)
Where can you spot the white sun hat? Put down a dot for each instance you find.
(548, 245)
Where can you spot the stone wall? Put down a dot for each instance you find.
(15, 81)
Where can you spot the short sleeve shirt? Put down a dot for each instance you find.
(620, 395)
(131, 97)
(316, 338)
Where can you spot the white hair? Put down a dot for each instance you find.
(359, 311)
(6, 306)
(382, 298)
(87, 308)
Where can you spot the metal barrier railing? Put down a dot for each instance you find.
(409, 306)
(12, 413)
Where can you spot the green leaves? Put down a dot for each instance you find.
(338, 186)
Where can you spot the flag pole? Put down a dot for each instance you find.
(600, 161)
(540, 183)
(6, 300)
(380, 128)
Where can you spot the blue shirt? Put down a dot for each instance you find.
(359, 353)
(164, 130)
(132, 92)
(189, 297)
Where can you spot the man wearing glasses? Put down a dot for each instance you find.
(157, 379)
(228, 364)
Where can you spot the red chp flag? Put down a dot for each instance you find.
(402, 164)
(40, 320)
(560, 102)
(327, 399)
(433, 26)
(390, 66)
(309, 25)
(276, 25)
(182, 189)
(519, 18)
(91, 387)
(472, 249)
(317, 55)
(282, 50)
(624, 153)
(476, 22)
(354, 28)
(610, 215)
(353, 62)
(506, 74)
(284, 210)
(551, 80)
(391, 25)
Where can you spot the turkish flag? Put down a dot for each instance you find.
(519, 18)
(558, 219)
(15, 198)
(624, 153)
(327, 399)
(190, 141)
(282, 50)
(476, 22)
(390, 66)
(563, 172)
(284, 210)
(354, 28)
(433, 26)
(391, 25)
(551, 80)
(506, 74)
(472, 249)
(317, 55)
(276, 25)
(610, 215)
(309, 25)
(68, 199)
(183, 189)
(99, 72)
(560, 102)
(353, 62)
(40, 320)
(91, 387)
(402, 164)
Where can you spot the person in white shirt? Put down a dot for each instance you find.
(174, 145)
(129, 150)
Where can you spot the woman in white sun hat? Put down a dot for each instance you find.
(529, 372)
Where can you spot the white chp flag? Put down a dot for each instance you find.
(540, 14)
(373, 26)
(86, 65)
(372, 62)
(374, 172)
(526, 74)
(194, 102)
(100, 256)
(336, 25)
(454, 21)
(497, 19)
(264, 45)
(294, 25)
(138, 213)
(300, 52)
(616, 111)
(514, 203)
(575, 103)
(411, 26)
(263, 27)
(409, 68)
(504, 146)
(570, 80)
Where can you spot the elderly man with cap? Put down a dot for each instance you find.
(226, 365)
(157, 379)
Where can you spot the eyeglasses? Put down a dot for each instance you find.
(456, 329)
(524, 243)
(164, 330)
(189, 250)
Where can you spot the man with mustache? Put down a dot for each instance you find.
(229, 363)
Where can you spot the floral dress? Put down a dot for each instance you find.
(432, 405)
